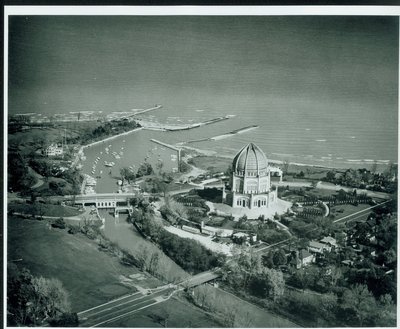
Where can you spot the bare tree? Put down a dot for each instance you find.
(285, 166)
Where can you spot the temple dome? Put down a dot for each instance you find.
(250, 159)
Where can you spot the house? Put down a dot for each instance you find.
(348, 262)
(190, 229)
(54, 150)
(213, 231)
(241, 236)
(304, 258)
(328, 240)
(317, 247)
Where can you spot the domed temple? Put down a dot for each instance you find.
(250, 180)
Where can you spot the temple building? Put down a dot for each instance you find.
(250, 180)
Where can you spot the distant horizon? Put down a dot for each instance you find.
(325, 86)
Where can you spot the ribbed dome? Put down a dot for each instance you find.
(250, 159)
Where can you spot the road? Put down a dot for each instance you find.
(123, 306)
(130, 304)
(200, 278)
(333, 187)
(363, 212)
(354, 216)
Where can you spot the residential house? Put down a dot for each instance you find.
(317, 247)
(54, 150)
(328, 240)
(304, 258)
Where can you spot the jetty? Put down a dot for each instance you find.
(156, 107)
(222, 136)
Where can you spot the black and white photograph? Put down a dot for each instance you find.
(200, 168)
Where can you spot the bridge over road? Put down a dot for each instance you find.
(129, 304)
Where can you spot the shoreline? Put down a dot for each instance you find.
(111, 137)
(169, 127)
(83, 147)
(209, 153)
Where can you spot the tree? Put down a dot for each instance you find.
(144, 169)
(66, 320)
(34, 300)
(269, 283)
(127, 174)
(358, 302)
(285, 167)
(53, 299)
(279, 257)
(59, 223)
(330, 176)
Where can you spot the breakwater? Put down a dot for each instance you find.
(226, 135)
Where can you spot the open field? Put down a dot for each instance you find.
(248, 314)
(44, 209)
(90, 276)
(214, 164)
(348, 209)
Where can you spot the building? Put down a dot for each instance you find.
(317, 247)
(304, 258)
(328, 240)
(214, 231)
(250, 180)
(54, 150)
(244, 237)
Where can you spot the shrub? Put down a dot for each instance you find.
(73, 229)
(59, 223)
(65, 320)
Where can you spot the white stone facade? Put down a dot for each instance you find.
(251, 179)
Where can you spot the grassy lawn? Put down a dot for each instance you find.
(348, 209)
(45, 209)
(212, 163)
(90, 276)
(257, 316)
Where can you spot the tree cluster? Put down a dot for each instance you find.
(19, 178)
(363, 178)
(246, 272)
(187, 253)
(106, 129)
(36, 301)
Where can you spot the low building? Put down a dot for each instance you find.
(328, 240)
(244, 237)
(54, 150)
(348, 262)
(213, 231)
(317, 247)
(304, 258)
(190, 229)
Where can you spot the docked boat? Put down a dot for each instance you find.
(108, 164)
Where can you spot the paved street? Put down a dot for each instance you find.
(104, 314)
(109, 312)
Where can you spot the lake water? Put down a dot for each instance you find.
(330, 146)
(323, 90)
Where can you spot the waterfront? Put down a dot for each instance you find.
(277, 73)
(137, 147)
